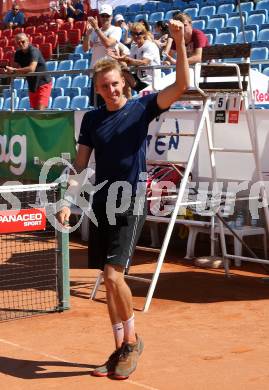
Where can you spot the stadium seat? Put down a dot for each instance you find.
(7, 103)
(41, 29)
(63, 82)
(80, 103)
(263, 4)
(247, 7)
(57, 92)
(226, 8)
(24, 103)
(224, 39)
(86, 91)
(199, 24)
(62, 37)
(266, 71)
(18, 83)
(46, 50)
(263, 35)
(65, 65)
(257, 19)
(178, 3)
(52, 65)
(164, 7)
(258, 54)
(135, 8)
(53, 39)
(249, 35)
(156, 16)
(38, 39)
(61, 103)
(74, 36)
(81, 25)
(80, 81)
(120, 9)
(22, 93)
(212, 31)
(234, 21)
(169, 14)
(18, 30)
(7, 33)
(208, 10)
(81, 64)
(192, 11)
(75, 56)
(7, 93)
(67, 26)
(72, 91)
(210, 39)
(150, 7)
(141, 16)
(30, 30)
(1, 102)
(215, 23)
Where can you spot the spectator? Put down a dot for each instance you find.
(162, 34)
(100, 39)
(144, 52)
(31, 60)
(195, 40)
(74, 10)
(58, 13)
(14, 18)
(120, 22)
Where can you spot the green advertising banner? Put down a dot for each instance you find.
(29, 139)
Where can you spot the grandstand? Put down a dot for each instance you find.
(61, 45)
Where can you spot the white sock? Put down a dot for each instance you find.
(118, 332)
(129, 331)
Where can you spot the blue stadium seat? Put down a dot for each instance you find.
(156, 16)
(256, 18)
(80, 103)
(264, 4)
(258, 54)
(7, 93)
(252, 27)
(212, 31)
(18, 84)
(179, 3)
(192, 11)
(52, 65)
(226, 8)
(263, 35)
(249, 35)
(7, 103)
(63, 82)
(135, 7)
(234, 21)
(224, 39)
(120, 9)
(65, 65)
(75, 56)
(210, 39)
(57, 92)
(72, 91)
(1, 102)
(199, 24)
(81, 64)
(141, 16)
(80, 81)
(86, 91)
(22, 93)
(169, 14)
(232, 29)
(208, 10)
(216, 23)
(164, 7)
(266, 71)
(247, 7)
(24, 103)
(150, 7)
(25, 85)
(61, 103)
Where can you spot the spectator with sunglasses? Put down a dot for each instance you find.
(100, 38)
(14, 18)
(30, 60)
(143, 52)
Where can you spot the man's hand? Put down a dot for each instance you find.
(63, 216)
(10, 69)
(93, 22)
(176, 29)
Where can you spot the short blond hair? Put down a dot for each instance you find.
(105, 65)
(140, 26)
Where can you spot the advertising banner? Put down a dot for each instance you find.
(24, 220)
(28, 140)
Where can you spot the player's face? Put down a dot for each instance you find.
(110, 86)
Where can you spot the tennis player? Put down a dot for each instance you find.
(117, 133)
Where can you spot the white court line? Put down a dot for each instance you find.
(53, 357)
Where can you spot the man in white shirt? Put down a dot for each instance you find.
(100, 39)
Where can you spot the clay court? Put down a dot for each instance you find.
(202, 331)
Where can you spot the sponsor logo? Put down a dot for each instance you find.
(261, 97)
(12, 221)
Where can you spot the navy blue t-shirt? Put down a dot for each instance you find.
(119, 140)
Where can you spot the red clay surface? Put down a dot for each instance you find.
(203, 331)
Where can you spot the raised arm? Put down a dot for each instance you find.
(173, 92)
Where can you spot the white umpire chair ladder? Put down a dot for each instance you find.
(205, 92)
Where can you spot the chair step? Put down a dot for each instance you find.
(162, 162)
(171, 134)
(215, 149)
